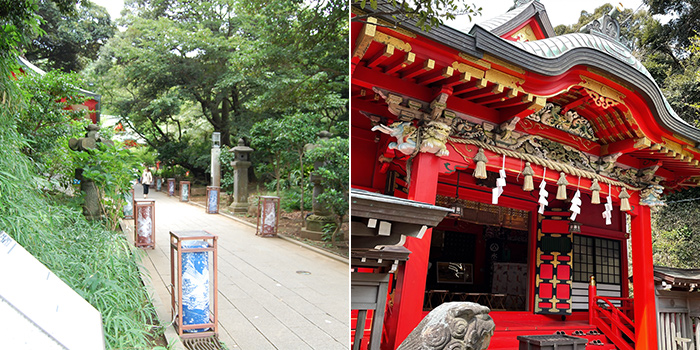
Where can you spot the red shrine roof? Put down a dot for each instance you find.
(583, 90)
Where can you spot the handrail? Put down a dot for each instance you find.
(610, 319)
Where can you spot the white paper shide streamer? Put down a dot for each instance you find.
(575, 205)
(607, 214)
(543, 193)
(500, 183)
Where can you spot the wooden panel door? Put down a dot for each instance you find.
(553, 270)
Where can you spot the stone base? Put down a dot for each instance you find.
(314, 227)
(315, 223)
(312, 235)
(239, 207)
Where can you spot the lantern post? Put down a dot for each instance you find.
(145, 223)
(193, 277)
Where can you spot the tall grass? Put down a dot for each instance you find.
(97, 263)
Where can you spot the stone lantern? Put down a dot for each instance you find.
(240, 164)
(321, 215)
(91, 206)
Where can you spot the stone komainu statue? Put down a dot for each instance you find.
(452, 326)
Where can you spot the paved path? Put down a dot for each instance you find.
(263, 302)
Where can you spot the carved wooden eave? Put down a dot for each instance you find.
(687, 279)
(387, 220)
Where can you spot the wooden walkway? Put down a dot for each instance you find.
(265, 300)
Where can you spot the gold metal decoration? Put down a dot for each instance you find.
(524, 34)
(365, 38)
(475, 60)
(507, 80)
(601, 101)
(601, 89)
(390, 40)
(469, 71)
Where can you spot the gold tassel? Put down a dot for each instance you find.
(562, 183)
(595, 192)
(528, 184)
(624, 200)
(481, 160)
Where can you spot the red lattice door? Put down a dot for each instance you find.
(553, 271)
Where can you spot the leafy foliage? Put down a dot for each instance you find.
(46, 123)
(427, 13)
(111, 168)
(332, 159)
(676, 240)
(70, 40)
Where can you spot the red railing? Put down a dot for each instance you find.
(616, 322)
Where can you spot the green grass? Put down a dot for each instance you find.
(97, 263)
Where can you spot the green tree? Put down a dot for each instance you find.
(268, 140)
(428, 14)
(110, 167)
(301, 130)
(675, 230)
(172, 52)
(332, 158)
(294, 55)
(674, 37)
(69, 40)
(45, 122)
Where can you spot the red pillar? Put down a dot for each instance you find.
(643, 272)
(407, 309)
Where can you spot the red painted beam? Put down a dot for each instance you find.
(471, 86)
(461, 78)
(481, 92)
(510, 102)
(381, 56)
(400, 63)
(417, 70)
(573, 104)
(435, 76)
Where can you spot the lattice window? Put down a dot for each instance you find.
(599, 257)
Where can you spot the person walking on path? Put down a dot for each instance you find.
(146, 181)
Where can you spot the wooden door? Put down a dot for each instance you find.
(553, 270)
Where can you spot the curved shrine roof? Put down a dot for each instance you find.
(508, 21)
(555, 55)
(558, 46)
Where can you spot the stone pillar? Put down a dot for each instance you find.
(215, 162)
(321, 215)
(91, 206)
(240, 164)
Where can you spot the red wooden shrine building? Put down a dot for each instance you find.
(92, 104)
(517, 130)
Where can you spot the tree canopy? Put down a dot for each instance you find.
(181, 70)
(71, 39)
(428, 14)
